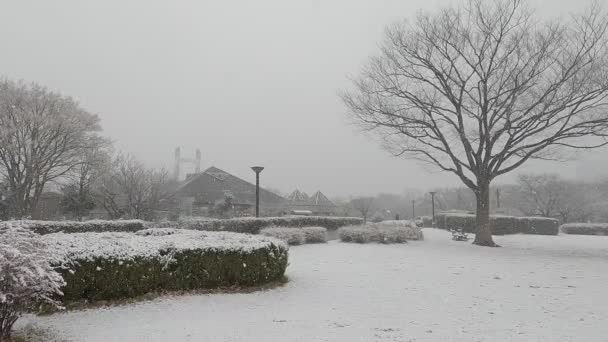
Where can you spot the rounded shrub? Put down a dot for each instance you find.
(292, 236)
(359, 234)
(101, 266)
(315, 234)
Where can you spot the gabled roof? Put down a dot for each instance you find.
(321, 200)
(214, 184)
(298, 196)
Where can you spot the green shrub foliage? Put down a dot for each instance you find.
(106, 266)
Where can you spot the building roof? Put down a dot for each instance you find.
(297, 196)
(214, 184)
(319, 199)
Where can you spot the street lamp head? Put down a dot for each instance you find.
(432, 192)
(257, 169)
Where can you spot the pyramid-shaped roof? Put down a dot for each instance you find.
(298, 196)
(321, 200)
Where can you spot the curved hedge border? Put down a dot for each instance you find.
(101, 266)
(253, 225)
(49, 227)
(500, 225)
(585, 228)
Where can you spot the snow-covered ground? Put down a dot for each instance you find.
(535, 288)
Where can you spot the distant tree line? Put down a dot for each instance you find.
(544, 194)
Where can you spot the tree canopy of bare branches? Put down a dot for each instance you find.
(42, 136)
(79, 193)
(362, 205)
(132, 190)
(479, 90)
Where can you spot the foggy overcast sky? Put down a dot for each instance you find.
(248, 82)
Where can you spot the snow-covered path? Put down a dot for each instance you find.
(535, 288)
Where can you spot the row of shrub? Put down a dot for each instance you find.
(49, 227)
(585, 228)
(105, 266)
(382, 232)
(297, 236)
(253, 225)
(499, 225)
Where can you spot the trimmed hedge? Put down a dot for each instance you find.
(585, 228)
(315, 234)
(383, 232)
(500, 225)
(291, 236)
(297, 236)
(102, 266)
(49, 227)
(253, 225)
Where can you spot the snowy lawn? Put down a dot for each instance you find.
(535, 288)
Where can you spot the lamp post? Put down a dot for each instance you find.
(413, 209)
(433, 205)
(257, 170)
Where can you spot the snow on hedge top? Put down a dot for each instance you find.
(48, 227)
(150, 243)
(402, 223)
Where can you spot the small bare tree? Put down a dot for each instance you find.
(362, 205)
(131, 189)
(78, 193)
(42, 135)
(481, 89)
(542, 194)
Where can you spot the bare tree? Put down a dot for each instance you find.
(543, 194)
(41, 136)
(481, 89)
(78, 193)
(362, 205)
(131, 189)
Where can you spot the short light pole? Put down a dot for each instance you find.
(257, 170)
(433, 205)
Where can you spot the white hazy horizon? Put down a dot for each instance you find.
(246, 82)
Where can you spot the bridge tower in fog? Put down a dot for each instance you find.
(196, 161)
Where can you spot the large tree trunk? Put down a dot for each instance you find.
(483, 237)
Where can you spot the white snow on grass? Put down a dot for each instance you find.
(535, 288)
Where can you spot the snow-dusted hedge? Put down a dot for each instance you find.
(292, 236)
(384, 232)
(297, 236)
(500, 225)
(253, 225)
(26, 276)
(585, 228)
(99, 266)
(315, 234)
(48, 227)
(409, 229)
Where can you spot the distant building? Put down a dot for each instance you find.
(200, 192)
(317, 204)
